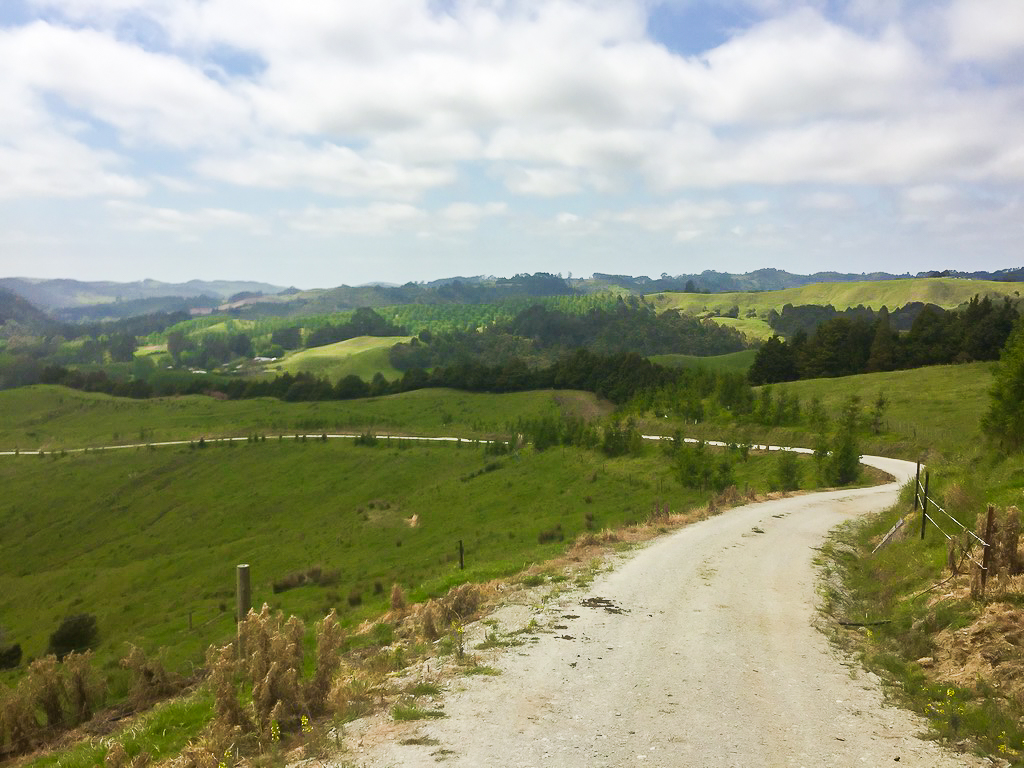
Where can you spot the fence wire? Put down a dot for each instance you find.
(965, 550)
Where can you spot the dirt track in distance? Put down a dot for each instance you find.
(709, 658)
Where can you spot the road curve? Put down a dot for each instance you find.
(713, 661)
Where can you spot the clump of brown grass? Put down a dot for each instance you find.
(398, 600)
(18, 718)
(151, 680)
(47, 689)
(84, 687)
(117, 757)
(329, 637)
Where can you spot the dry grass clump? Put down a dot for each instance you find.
(433, 618)
(66, 694)
(117, 757)
(398, 600)
(272, 665)
(314, 575)
(1005, 562)
(151, 680)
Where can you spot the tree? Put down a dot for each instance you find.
(787, 472)
(883, 347)
(175, 345)
(1004, 420)
(75, 633)
(842, 465)
(774, 362)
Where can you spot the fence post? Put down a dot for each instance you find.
(462, 557)
(924, 504)
(986, 558)
(917, 484)
(243, 600)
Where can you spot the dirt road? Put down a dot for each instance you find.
(700, 652)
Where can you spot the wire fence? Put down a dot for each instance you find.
(965, 544)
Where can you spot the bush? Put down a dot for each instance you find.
(75, 633)
(787, 472)
(10, 656)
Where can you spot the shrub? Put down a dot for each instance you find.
(84, 687)
(10, 656)
(551, 534)
(75, 633)
(151, 680)
(787, 472)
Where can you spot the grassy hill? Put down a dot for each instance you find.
(946, 292)
(363, 356)
(734, 361)
(143, 538)
(51, 418)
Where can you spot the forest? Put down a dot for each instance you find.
(868, 342)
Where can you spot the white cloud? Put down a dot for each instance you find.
(827, 201)
(146, 96)
(50, 165)
(466, 216)
(328, 169)
(374, 219)
(149, 218)
(986, 29)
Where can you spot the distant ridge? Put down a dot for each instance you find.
(64, 293)
(78, 301)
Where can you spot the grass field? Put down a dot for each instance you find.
(946, 292)
(146, 538)
(52, 418)
(734, 361)
(931, 412)
(363, 356)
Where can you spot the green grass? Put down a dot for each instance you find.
(893, 584)
(946, 292)
(932, 412)
(734, 361)
(363, 356)
(163, 732)
(52, 418)
(142, 538)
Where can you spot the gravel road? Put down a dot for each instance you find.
(701, 652)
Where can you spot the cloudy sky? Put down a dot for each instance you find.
(320, 142)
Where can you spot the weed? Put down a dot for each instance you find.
(424, 689)
(480, 669)
(406, 712)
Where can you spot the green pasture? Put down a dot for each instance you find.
(734, 361)
(54, 418)
(946, 292)
(147, 539)
(363, 356)
(930, 412)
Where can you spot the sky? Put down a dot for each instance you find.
(324, 142)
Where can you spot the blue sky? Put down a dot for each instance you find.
(316, 143)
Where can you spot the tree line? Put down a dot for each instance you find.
(539, 335)
(843, 346)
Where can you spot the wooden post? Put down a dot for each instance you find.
(243, 601)
(986, 557)
(462, 557)
(924, 505)
(917, 484)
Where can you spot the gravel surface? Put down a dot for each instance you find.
(696, 650)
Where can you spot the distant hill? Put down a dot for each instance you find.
(78, 301)
(16, 311)
(57, 294)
